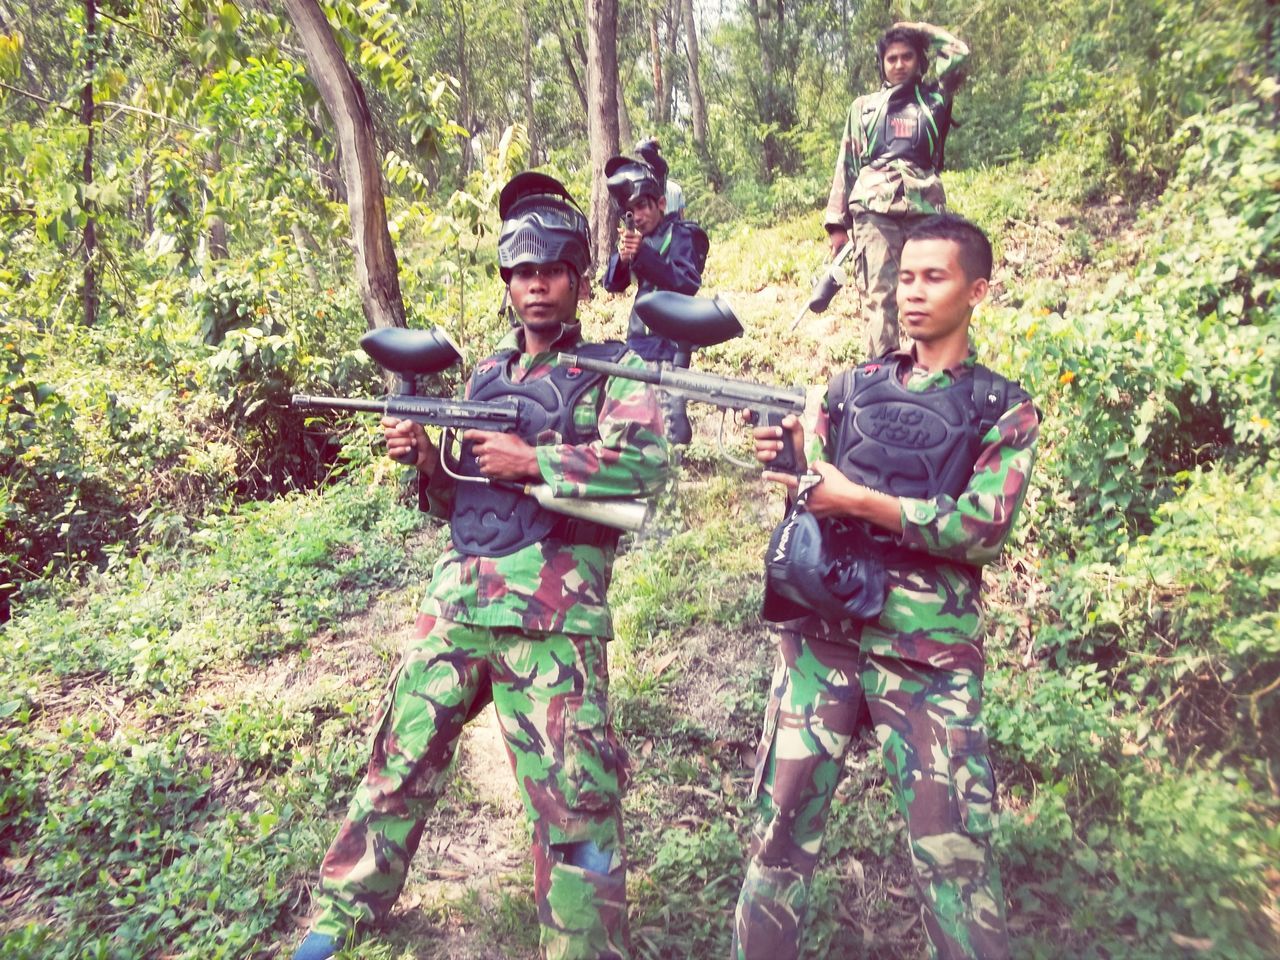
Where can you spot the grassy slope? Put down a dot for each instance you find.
(181, 737)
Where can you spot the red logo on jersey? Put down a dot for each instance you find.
(904, 128)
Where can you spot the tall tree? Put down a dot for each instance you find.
(602, 116)
(89, 283)
(377, 271)
(698, 105)
(655, 55)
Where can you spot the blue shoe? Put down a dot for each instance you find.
(317, 946)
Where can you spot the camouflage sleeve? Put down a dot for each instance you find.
(948, 54)
(816, 443)
(629, 459)
(836, 215)
(972, 527)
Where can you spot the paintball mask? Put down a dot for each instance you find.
(628, 180)
(541, 223)
(800, 569)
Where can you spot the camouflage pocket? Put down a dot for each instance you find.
(972, 778)
(594, 762)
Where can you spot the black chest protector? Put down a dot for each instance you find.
(909, 123)
(493, 521)
(908, 444)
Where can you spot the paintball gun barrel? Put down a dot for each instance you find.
(832, 279)
(407, 353)
(704, 322)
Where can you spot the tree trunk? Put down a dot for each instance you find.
(655, 54)
(464, 88)
(89, 285)
(697, 104)
(602, 116)
(376, 269)
(217, 226)
(625, 135)
(531, 119)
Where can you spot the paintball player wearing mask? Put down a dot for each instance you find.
(662, 252)
(922, 499)
(887, 170)
(516, 613)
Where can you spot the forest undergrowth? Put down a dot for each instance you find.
(179, 730)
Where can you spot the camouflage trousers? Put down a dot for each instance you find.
(935, 749)
(550, 692)
(878, 239)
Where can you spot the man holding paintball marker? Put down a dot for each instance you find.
(662, 252)
(516, 613)
(887, 169)
(922, 461)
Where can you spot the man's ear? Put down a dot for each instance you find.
(978, 291)
(584, 289)
(662, 205)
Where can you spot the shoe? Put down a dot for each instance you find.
(317, 946)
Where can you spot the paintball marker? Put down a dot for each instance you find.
(702, 322)
(832, 279)
(408, 353)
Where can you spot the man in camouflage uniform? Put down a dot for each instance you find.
(516, 612)
(886, 175)
(923, 460)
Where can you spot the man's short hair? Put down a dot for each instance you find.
(975, 248)
(917, 40)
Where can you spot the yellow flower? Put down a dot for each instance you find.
(1032, 329)
(1067, 377)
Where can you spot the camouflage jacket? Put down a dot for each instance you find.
(551, 586)
(933, 613)
(897, 186)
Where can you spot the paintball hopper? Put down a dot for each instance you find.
(693, 320)
(408, 353)
(832, 279)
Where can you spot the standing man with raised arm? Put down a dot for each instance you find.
(887, 170)
(875, 577)
(516, 612)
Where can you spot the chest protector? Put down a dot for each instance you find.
(909, 124)
(907, 444)
(493, 521)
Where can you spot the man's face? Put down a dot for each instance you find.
(544, 295)
(648, 213)
(900, 63)
(935, 298)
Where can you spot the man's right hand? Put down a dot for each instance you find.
(629, 245)
(769, 441)
(838, 239)
(407, 443)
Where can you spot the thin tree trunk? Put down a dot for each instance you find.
(602, 116)
(531, 120)
(218, 249)
(89, 288)
(302, 244)
(625, 135)
(464, 87)
(697, 104)
(655, 54)
(671, 18)
(565, 34)
(377, 272)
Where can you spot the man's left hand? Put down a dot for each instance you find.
(503, 456)
(834, 496)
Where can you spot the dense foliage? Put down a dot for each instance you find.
(193, 566)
